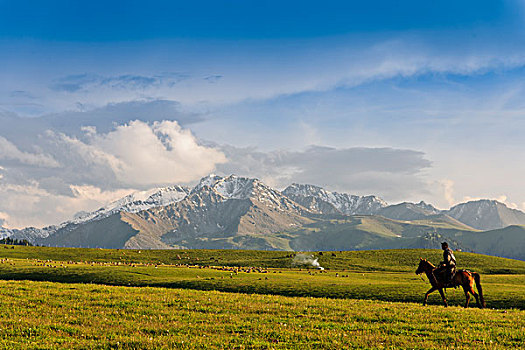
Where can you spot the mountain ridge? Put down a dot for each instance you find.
(486, 214)
(244, 213)
(325, 201)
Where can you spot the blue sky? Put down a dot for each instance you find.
(107, 21)
(408, 100)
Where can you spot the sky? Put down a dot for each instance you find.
(406, 100)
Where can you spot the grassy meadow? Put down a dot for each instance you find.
(44, 315)
(160, 299)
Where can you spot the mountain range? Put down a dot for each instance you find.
(243, 213)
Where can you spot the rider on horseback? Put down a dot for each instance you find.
(448, 266)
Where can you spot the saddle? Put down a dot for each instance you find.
(440, 276)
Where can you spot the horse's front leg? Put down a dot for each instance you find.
(443, 296)
(426, 295)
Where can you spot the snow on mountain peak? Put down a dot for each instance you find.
(5, 232)
(345, 203)
(232, 186)
(229, 187)
(309, 190)
(209, 181)
(237, 187)
(135, 202)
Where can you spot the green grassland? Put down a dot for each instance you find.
(386, 275)
(152, 299)
(44, 315)
(394, 260)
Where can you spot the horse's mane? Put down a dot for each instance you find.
(428, 263)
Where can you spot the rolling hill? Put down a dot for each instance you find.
(506, 242)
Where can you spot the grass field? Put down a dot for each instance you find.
(368, 260)
(386, 275)
(43, 315)
(158, 299)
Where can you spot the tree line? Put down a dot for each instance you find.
(14, 241)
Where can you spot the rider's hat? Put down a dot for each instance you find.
(445, 244)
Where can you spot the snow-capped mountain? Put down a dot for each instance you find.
(320, 200)
(234, 212)
(5, 232)
(486, 214)
(136, 202)
(235, 187)
(32, 234)
(223, 212)
(132, 203)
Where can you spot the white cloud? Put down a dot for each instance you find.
(3, 219)
(138, 155)
(8, 151)
(30, 205)
(393, 174)
(448, 191)
(501, 198)
(96, 194)
(143, 154)
(133, 155)
(97, 168)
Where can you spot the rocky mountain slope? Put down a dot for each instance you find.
(136, 202)
(324, 202)
(225, 212)
(132, 203)
(408, 211)
(480, 215)
(5, 232)
(242, 213)
(486, 214)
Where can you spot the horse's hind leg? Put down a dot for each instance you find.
(426, 295)
(467, 295)
(475, 296)
(470, 288)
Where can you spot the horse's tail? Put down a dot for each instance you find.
(477, 279)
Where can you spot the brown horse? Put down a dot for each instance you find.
(462, 278)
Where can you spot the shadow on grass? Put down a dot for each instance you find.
(373, 292)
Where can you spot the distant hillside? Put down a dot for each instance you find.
(241, 213)
(506, 242)
(408, 211)
(486, 214)
(4, 232)
(370, 232)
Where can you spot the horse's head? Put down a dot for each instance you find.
(424, 265)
